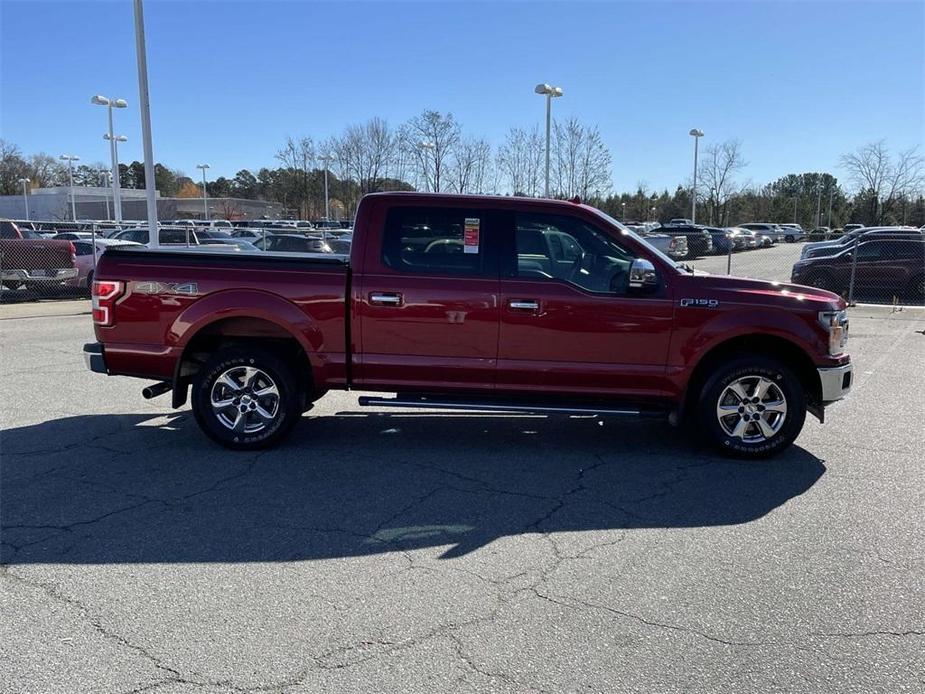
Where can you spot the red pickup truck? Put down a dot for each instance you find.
(30, 260)
(471, 302)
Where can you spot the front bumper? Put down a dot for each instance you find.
(93, 357)
(37, 276)
(836, 382)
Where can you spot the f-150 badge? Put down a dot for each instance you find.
(707, 303)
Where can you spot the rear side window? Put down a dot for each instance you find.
(7, 231)
(435, 240)
(82, 248)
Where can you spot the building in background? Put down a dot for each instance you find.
(54, 204)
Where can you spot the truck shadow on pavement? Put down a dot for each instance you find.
(100, 489)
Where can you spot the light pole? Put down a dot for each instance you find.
(829, 220)
(205, 201)
(106, 178)
(794, 209)
(428, 146)
(818, 203)
(145, 110)
(696, 133)
(623, 205)
(70, 159)
(110, 104)
(25, 198)
(549, 93)
(326, 158)
(652, 214)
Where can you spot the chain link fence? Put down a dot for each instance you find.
(886, 266)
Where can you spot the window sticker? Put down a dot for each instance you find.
(471, 235)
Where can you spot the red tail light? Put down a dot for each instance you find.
(105, 293)
(73, 251)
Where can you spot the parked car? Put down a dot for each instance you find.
(28, 260)
(852, 227)
(749, 238)
(820, 234)
(674, 246)
(184, 235)
(819, 248)
(699, 240)
(292, 243)
(722, 240)
(73, 235)
(472, 303)
(793, 232)
(772, 231)
(679, 222)
(884, 266)
(85, 262)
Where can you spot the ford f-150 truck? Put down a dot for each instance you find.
(31, 260)
(469, 302)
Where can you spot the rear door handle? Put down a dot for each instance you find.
(385, 298)
(524, 304)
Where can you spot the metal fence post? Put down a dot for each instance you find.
(854, 267)
(728, 253)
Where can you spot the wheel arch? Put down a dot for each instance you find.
(763, 344)
(237, 331)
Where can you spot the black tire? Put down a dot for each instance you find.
(752, 444)
(789, 239)
(288, 402)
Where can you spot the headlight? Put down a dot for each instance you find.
(836, 324)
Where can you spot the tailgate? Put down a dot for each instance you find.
(35, 254)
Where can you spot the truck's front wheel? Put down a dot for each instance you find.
(246, 398)
(752, 407)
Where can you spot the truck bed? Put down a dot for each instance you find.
(173, 294)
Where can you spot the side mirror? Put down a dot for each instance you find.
(643, 275)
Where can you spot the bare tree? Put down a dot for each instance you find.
(581, 160)
(298, 156)
(885, 179)
(520, 161)
(12, 168)
(46, 171)
(434, 136)
(716, 170)
(468, 169)
(364, 152)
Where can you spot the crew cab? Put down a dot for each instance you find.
(471, 302)
(30, 260)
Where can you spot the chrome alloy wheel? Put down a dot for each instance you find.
(752, 408)
(245, 400)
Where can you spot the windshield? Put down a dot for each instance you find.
(629, 232)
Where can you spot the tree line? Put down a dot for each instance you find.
(433, 152)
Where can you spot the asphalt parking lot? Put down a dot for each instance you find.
(427, 552)
(774, 263)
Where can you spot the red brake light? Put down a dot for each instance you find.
(105, 293)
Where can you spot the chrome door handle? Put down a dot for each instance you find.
(385, 298)
(524, 304)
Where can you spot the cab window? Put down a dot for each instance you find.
(568, 249)
(435, 241)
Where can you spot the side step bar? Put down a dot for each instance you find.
(500, 406)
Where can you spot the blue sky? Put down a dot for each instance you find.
(798, 83)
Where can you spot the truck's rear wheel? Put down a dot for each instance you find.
(246, 398)
(752, 407)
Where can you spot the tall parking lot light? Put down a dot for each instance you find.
(110, 104)
(70, 159)
(25, 198)
(145, 111)
(549, 92)
(696, 133)
(205, 197)
(623, 205)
